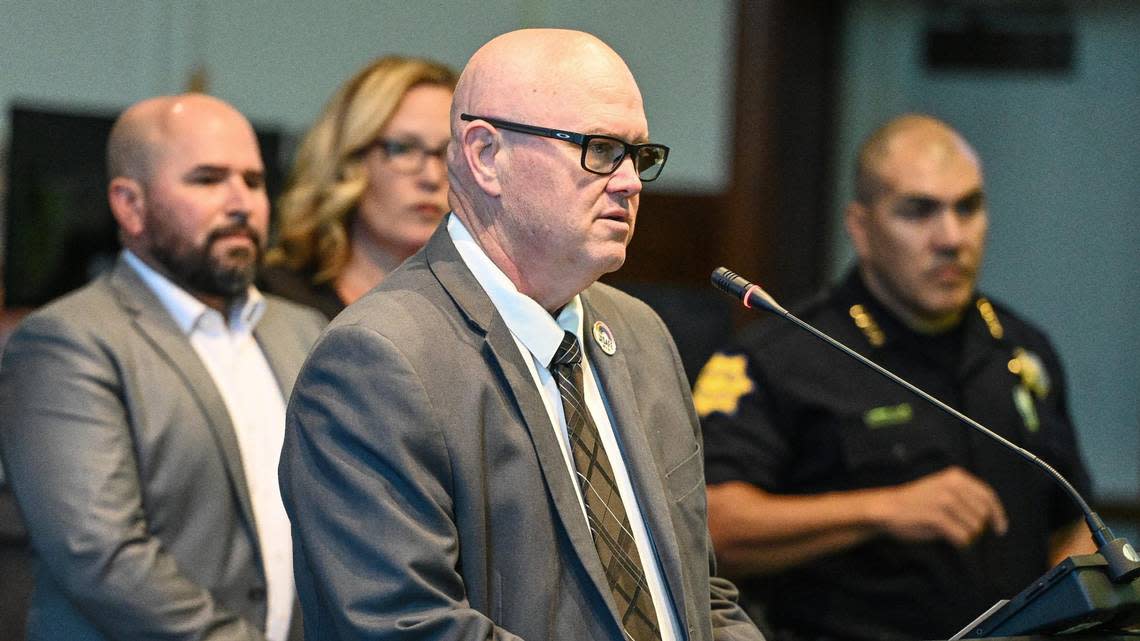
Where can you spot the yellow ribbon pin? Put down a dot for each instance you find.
(1029, 367)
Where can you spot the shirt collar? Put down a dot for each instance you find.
(854, 291)
(188, 312)
(536, 329)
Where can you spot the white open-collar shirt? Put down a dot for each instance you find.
(256, 408)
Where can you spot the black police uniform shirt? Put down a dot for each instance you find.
(789, 414)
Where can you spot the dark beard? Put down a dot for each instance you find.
(200, 271)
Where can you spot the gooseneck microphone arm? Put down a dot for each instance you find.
(1123, 562)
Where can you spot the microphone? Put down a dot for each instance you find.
(1120, 558)
(750, 294)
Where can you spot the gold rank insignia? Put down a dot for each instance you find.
(721, 384)
(866, 323)
(986, 309)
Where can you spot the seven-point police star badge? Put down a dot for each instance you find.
(722, 383)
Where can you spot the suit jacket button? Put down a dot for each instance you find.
(256, 593)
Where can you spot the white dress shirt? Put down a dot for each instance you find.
(257, 410)
(538, 335)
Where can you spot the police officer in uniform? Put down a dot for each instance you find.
(850, 508)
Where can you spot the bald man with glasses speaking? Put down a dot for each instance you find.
(492, 445)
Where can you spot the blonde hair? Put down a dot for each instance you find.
(329, 177)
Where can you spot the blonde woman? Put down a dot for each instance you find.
(368, 187)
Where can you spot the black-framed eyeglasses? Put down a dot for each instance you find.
(600, 154)
(406, 156)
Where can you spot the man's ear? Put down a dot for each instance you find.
(128, 204)
(480, 146)
(855, 220)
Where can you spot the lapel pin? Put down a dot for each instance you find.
(604, 338)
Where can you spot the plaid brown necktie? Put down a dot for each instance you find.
(604, 509)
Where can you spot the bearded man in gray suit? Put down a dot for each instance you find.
(443, 478)
(143, 414)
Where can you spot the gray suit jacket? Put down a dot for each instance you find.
(427, 491)
(124, 463)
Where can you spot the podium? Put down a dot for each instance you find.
(1075, 598)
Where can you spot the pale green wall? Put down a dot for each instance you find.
(1062, 164)
(279, 61)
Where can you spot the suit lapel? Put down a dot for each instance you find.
(503, 353)
(647, 478)
(156, 325)
(270, 335)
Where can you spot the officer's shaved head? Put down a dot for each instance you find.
(911, 132)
